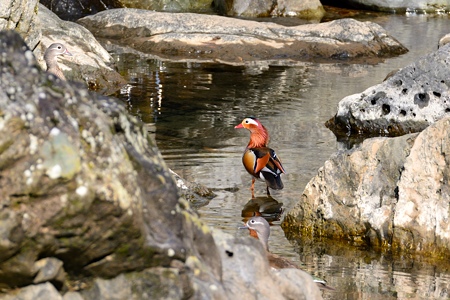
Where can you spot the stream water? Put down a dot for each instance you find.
(194, 107)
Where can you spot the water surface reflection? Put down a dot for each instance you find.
(194, 107)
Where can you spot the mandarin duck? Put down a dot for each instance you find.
(259, 160)
(259, 228)
(50, 57)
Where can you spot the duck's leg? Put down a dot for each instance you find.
(268, 192)
(252, 188)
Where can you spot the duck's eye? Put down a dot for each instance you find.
(59, 47)
(246, 121)
(252, 221)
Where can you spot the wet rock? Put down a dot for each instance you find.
(21, 16)
(90, 62)
(311, 9)
(408, 101)
(389, 193)
(195, 193)
(207, 37)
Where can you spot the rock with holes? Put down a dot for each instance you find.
(408, 101)
(388, 193)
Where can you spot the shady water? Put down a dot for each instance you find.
(192, 108)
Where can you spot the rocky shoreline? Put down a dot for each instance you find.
(87, 194)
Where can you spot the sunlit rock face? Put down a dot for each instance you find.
(388, 193)
(406, 102)
(239, 41)
(21, 16)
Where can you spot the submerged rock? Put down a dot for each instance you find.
(236, 41)
(408, 101)
(388, 193)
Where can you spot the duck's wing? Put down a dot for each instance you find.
(255, 159)
(275, 160)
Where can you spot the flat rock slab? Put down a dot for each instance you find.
(229, 40)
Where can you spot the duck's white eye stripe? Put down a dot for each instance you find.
(250, 121)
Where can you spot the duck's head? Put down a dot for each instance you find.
(259, 136)
(260, 229)
(56, 49)
(250, 123)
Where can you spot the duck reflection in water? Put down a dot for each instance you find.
(265, 206)
(259, 228)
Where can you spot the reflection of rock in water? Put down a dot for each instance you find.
(266, 207)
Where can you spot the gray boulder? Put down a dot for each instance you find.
(215, 38)
(169, 5)
(39, 27)
(408, 101)
(310, 9)
(35, 292)
(21, 16)
(389, 193)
